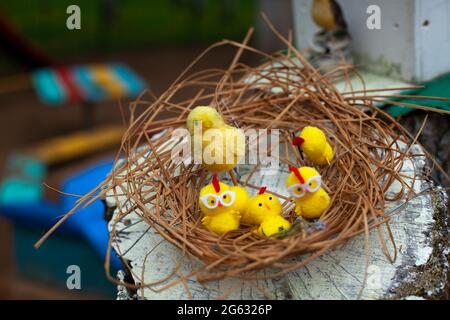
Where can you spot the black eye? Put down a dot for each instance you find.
(260, 204)
(225, 196)
(270, 198)
(299, 189)
(212, 201)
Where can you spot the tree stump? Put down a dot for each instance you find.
(420, 228)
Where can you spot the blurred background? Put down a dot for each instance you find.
(153, 41)
(64, 95)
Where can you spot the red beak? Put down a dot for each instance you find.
(298, 141)
(220, 204)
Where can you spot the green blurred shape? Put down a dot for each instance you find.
(439, 87)
(17, 191)
(23, 180)
(129, 24)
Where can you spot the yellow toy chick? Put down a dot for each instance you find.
(217, 202)
(304, 185)
(242, 198)
(222, 145)
(272, 225)
(314, 144)
(264, 211)
(206, 117)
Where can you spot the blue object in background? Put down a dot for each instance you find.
(89, 221)
(31, 218)
(53, 90)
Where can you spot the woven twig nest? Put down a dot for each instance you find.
(285, 93)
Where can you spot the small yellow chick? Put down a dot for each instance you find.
(314, 144)
(264, 210)
(304, 185)
(272, 225)
(217, 204)
(223, 146)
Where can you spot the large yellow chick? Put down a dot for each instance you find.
(242, 198)
(264, 210)
(223, 146)
(314, 144)
(217, 202)
(304, 185)
(206, 117)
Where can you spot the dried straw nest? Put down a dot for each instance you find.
(165, 194)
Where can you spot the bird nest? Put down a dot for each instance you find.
(284, 93)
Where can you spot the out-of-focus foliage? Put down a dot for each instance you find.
(129, 24)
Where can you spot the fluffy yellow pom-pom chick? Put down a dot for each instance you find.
(304, 185)
(264, 210)
(242, 198)
(204, 116)
(314, 144)
(217, 203)
(223, 146)
(272, 225)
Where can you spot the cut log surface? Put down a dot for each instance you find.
(420, 228)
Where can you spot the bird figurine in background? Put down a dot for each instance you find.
(223, 146)
(264, 211)
(332, 44)
(217, 202)
(314, 144)
(327, 14)
(304, 185)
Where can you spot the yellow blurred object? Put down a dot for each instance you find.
(217, 204)
(104, 77)
(304, 185)
(327, 14)
(69, 147)
(204, 116)
(314, 144)
(223, 146)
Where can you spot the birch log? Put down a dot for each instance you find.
(420, 229)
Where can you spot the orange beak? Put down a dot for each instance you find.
(267, 207)
(220, 204)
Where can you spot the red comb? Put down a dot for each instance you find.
(215, 183)
(298, 141)
(297, 174)
(262, 190)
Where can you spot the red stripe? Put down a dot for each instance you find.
(297, 174)
(66, 79)
(262, 190)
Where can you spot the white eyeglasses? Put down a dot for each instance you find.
(212, 201)
(299, 190)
